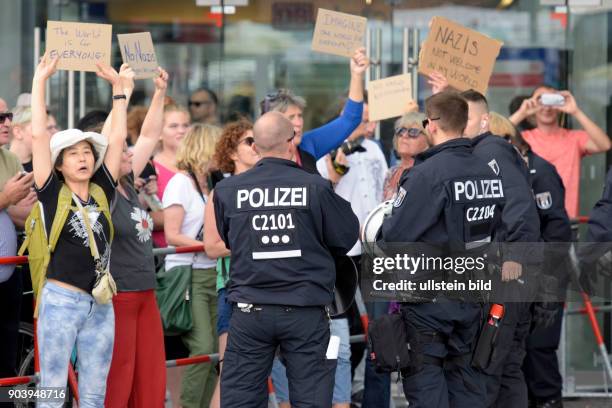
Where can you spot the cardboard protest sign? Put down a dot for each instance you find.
(137, 50)
(464, 56)
(388, 98)
(338, 33)
(79, 45)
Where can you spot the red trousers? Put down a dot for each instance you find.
(137, 376)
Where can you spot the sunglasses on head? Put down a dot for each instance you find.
(426, 121)
(269, 100)
(410, 132)
(6, 115)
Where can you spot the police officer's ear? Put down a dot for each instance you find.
(484, 121)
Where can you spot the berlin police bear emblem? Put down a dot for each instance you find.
(544, 200)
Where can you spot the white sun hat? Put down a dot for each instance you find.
(70, 137)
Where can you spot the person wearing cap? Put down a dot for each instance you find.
(280, 224)
(68, 313)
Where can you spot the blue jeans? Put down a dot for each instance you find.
(342, 384)
(67, 318)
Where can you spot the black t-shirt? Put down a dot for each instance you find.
(132, 264)
(71, 262)
(27, 166)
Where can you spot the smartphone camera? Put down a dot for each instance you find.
(552, 99)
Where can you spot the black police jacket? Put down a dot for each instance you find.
(600, 225)
(309, 163)
(449, 198)
(283, 227)
(520, 220)
(549, 195)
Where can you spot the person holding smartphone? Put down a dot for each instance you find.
(564, 148)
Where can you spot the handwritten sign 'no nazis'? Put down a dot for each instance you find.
(338, 33)
(464, 56)
(79, 46)
(137, 50)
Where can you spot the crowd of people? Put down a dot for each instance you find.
(126, 181)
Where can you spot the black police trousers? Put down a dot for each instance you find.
(302, 333)
(504, 379)
(447, 378)
(541, 366)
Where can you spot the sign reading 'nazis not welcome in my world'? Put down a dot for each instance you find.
(464, 56)
(338, 33)
(79, 46)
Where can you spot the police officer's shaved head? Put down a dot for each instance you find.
(449, 111)
(272, 132)
(475, 97)
(478, 115)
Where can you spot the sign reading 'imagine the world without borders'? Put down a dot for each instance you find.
(338, 33)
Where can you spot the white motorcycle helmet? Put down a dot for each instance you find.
(371, 227)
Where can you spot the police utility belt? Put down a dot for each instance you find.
(250, 307)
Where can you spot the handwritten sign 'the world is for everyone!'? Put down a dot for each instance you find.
(137, 50)
(338, 33)
(79, 46)
(464, 56)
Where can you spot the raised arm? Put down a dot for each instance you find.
(41, 150)
(152, 125)
(118, 133)
(324, 139)
(128, 89)
(598, 139)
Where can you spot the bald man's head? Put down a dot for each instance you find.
(272, 132)
(3, 105)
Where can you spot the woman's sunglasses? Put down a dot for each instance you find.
(249, 140)
(6, 115)
(412, 133)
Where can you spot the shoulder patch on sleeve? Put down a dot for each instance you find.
(399, 198)
(544, 200)
(494, 166)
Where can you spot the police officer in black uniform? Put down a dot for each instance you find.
(541, 367)
(598, 243)
(283, 227)
(436, 203)
(520, 226)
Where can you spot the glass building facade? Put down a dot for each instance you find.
(265, 45)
